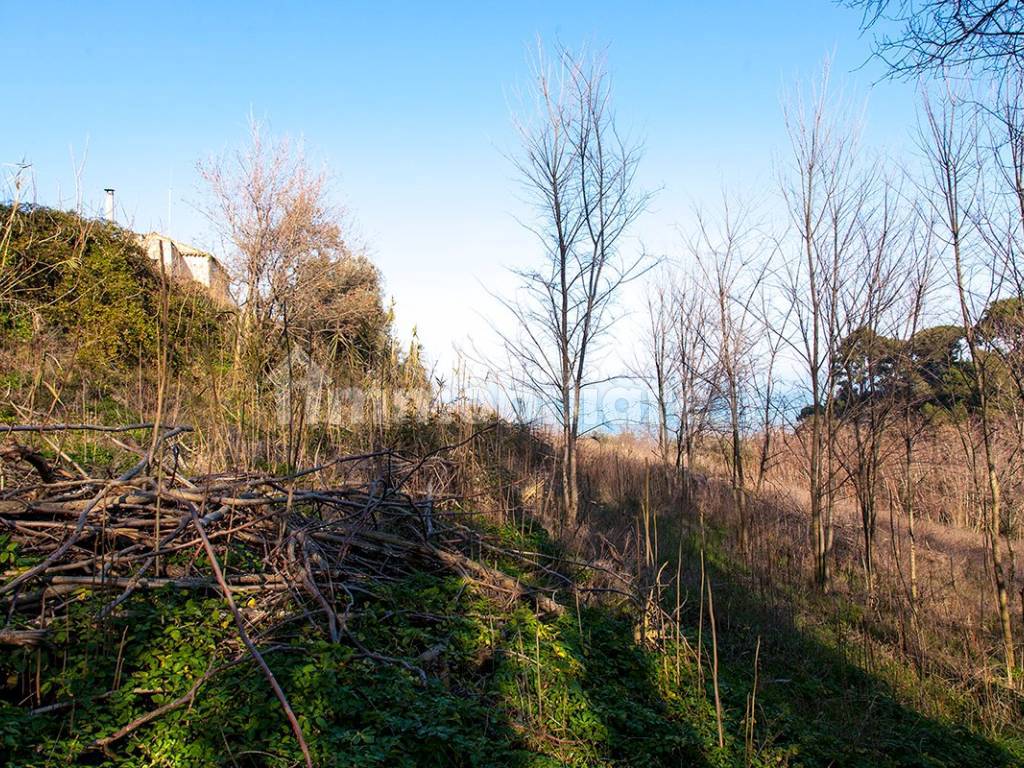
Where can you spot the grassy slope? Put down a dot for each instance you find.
(818, 705)
(504, 689)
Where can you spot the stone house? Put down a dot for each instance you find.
(184, 262)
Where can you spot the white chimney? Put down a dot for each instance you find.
(109, 207)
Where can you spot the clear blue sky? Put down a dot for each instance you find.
(409, 105)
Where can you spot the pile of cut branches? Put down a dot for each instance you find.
(310, 542)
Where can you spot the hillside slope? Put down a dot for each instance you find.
(406, 631)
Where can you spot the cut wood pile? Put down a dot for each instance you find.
(315, 536)
(313, 542)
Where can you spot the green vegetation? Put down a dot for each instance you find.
(504, 686)
(84, 294)
(431, 669)
(89, 284)
(931, 373)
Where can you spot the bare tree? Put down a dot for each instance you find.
(864, 363)
(693, 374)
(913, 391)
(1006, 133)
(579, 172)
(949, 138)
(655, 364)
(825, 194)
(678, 364)
(771, 406)
(272, 208)
(732, 271)
(1002, 326)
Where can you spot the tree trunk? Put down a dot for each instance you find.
(908, 507)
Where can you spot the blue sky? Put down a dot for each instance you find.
(408, 104)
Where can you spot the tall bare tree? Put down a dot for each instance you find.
(677, 364)
(1002, 326)
(655, 365)
(694, 367)
(771, 405)
(732, 271)
(579, 173)
(864, 363)
(273, 209)
(913, 390)
(949, 138)
(825, 193)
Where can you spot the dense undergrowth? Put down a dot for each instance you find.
(87, 290)
(504, 686)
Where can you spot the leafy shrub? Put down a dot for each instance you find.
(91, 282)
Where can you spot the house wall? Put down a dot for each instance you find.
(190, 265)
(162, 249)
(220, 283)
(199, 266)
(206, 270)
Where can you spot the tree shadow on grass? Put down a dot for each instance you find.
(815, 704)
(571, 690)
(643, 723)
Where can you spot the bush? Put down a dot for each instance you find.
(92, 284)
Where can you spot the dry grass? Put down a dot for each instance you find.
(951, 631)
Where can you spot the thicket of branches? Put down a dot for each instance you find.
(917, 37)
(578, 173)
(883, 310)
